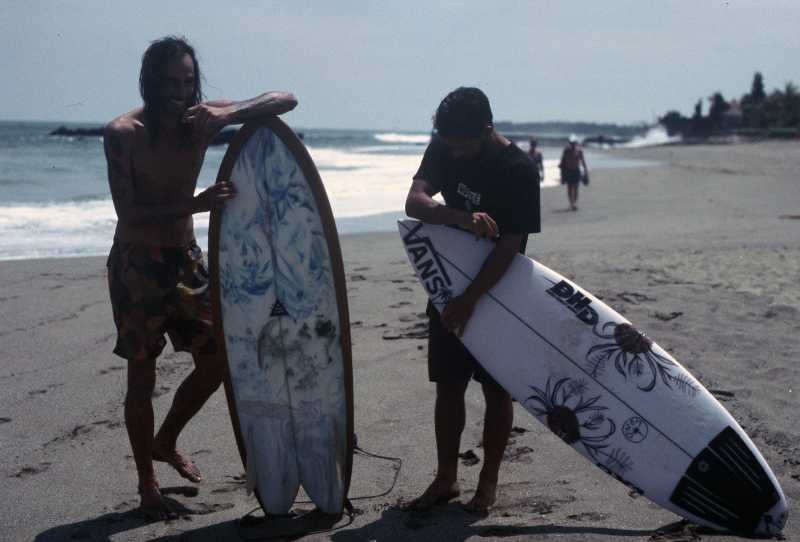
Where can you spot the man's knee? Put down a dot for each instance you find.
(451, 389)
(141, 380)
(496, 397)
(210, 368)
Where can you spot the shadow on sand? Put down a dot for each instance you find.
(449, 522)
(452, 522)
(105, 526)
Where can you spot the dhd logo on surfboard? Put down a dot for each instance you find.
(428, 266)
(574, 300)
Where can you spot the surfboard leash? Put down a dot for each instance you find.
(248, 520)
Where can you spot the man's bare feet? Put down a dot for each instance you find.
(484, 498)
(439, 492)
(153, 506)
(182, 464)
(480, 504)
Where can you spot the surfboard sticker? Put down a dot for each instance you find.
(602, 386)
(281, 316)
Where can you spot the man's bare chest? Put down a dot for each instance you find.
(166, 171)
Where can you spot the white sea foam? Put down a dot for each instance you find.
(363, 184)
(359, 182)
(409, 139)
(657, 135)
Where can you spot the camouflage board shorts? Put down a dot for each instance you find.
(158, 290)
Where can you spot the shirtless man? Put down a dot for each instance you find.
(157, 279)
(537, 158)
(570, 165)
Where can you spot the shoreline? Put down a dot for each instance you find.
(693, 251)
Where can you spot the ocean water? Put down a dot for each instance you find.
(55, 200)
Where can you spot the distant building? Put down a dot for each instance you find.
(732, 118)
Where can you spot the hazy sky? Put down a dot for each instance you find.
(386, 64)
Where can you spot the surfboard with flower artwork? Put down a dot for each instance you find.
(282, 321)
(602, 386)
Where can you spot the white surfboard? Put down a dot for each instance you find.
(282, 321)
(606, 389)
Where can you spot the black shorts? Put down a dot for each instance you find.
(448, 358)
(571, 176)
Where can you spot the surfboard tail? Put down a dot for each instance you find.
(726, 485)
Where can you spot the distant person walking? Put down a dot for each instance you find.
(570, 166)
(537, 158)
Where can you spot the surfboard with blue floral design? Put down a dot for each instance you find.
(281, 315)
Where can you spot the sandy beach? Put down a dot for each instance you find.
(694, 251)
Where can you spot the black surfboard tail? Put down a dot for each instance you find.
(726, 485)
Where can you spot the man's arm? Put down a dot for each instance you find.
(585, 167)
(541, 166)
(421, 205)
(458, 311)
(118, 145)
(210, 117)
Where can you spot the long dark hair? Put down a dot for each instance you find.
(151, 79)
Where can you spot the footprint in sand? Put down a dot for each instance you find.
(544, 504)
(518, 454)
(161, 391)
(399, 304)
(28, 471)
(4, 420)
(469, 458)
(226, 489)
(667, 316)
(406, 318)
(203, 508)
(186, 491)
(634, 297)
(417, 331)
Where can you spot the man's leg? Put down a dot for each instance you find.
(139, 422)
(192, 394)
(496, 430)
(449, 419)
(572, 194)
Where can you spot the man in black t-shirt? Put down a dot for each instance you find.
(489, 188)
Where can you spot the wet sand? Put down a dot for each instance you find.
(694, 251)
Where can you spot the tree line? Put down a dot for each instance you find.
(756, 113)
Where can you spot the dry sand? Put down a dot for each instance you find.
(693, 251)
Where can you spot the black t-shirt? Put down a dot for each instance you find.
(504, 185)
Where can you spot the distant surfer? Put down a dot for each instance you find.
(537, 158)
(489, 188)
(157, 279)
(571, 161)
